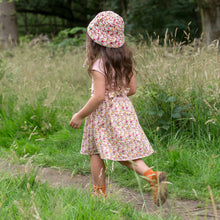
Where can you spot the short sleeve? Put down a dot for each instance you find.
(98, 66)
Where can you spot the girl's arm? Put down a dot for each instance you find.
(94, 101)
(132, 86)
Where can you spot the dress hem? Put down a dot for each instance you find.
(105, 158)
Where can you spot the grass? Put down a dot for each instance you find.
(177, 104)
(23, 197)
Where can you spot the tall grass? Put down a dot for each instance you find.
(177, 102)
(40, 90)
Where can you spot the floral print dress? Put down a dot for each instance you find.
(113, 130)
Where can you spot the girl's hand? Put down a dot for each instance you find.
(76, 121)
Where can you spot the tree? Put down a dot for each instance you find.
(8, 24)
(210, 15)
(51, 16)
(155, 17)
(76, 12)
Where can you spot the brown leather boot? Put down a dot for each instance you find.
(159, 187)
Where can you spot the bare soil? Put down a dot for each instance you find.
(185, 209)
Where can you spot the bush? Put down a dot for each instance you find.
(70, 37)
(162, 111)
(171, 114)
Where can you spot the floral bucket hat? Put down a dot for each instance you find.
(107, 29)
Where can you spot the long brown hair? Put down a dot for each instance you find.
(118, 59)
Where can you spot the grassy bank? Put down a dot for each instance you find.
(177, 104)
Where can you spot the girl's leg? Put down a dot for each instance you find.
(139, 166)
(98, 173)
(98, 170)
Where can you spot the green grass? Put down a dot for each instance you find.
(177, 104)
(23, 197)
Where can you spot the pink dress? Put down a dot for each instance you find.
(113, 130)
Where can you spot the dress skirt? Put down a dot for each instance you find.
(113, 130)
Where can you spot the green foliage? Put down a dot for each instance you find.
(163, 110)
(24, 39)
(170, 114)
(70, 37)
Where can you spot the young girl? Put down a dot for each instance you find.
(112, 130)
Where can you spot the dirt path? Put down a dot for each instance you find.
(186, 209)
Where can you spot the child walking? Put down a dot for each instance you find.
(112, 130)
